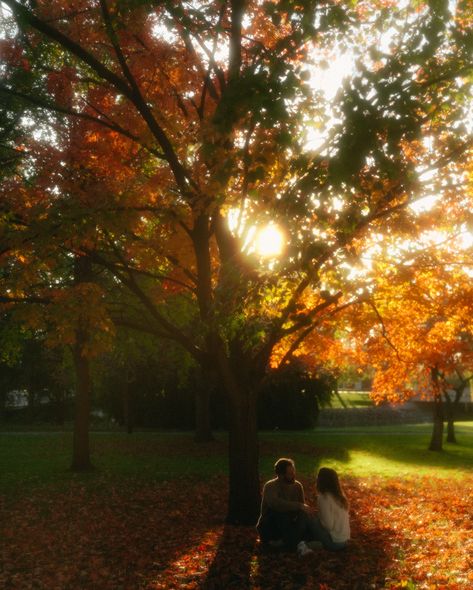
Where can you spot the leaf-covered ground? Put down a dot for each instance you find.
(416, 533)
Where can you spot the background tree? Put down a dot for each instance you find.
(417, 330)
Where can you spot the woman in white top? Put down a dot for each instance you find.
(332, 527)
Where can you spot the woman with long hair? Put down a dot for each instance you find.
(332, 527)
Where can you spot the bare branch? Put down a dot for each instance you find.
(26, 299)
(384, 332)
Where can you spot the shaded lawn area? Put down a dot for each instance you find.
(151, 515)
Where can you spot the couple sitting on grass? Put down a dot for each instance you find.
(286, 521)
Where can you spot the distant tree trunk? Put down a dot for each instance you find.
(203, 431)
(127, 413)
(81, 447)
(437, 430)
(60, 413)
(451, 406)
(204, 387)
(339, 397)
(3, 405)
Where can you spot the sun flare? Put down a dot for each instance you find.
(269, 241)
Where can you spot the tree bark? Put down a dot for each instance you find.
(244, 496)
(203, 430)
(437, 430)
(204, 386)
(244, 486)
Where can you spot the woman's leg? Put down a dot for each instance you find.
(320, 533)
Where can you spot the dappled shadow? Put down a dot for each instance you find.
(233, 564)
(115, 537)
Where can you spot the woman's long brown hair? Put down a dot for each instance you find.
(328, 482)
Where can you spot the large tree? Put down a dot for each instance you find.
(218, 98)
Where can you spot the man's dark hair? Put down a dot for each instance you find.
(282, 464)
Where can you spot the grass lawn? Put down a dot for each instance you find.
(151, 515)
(350, 399)
(390, 451)
(35, 458)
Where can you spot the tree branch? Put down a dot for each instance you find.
(131, 92)
(237, 10)
(112, 125)
(384, 332)
(174, 333)
(26, 299)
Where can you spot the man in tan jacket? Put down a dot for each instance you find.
(284, 519)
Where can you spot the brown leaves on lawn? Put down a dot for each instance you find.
(416, 533)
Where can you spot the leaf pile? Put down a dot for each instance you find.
(415, 533)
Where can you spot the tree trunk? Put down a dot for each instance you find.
(450, 419)
(203, 431)
(437, 430)
(204, 386)
(451, 438)
(60, 413)
(244, 487)
(3, 405)
(452, 405)
(81, 450)
(80, 446)
(127, 414)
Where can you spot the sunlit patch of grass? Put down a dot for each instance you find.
(389, 451)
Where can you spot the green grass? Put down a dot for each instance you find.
(350, 399)
(36, 459)
(389, 451)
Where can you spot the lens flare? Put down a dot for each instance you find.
(269, 241)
